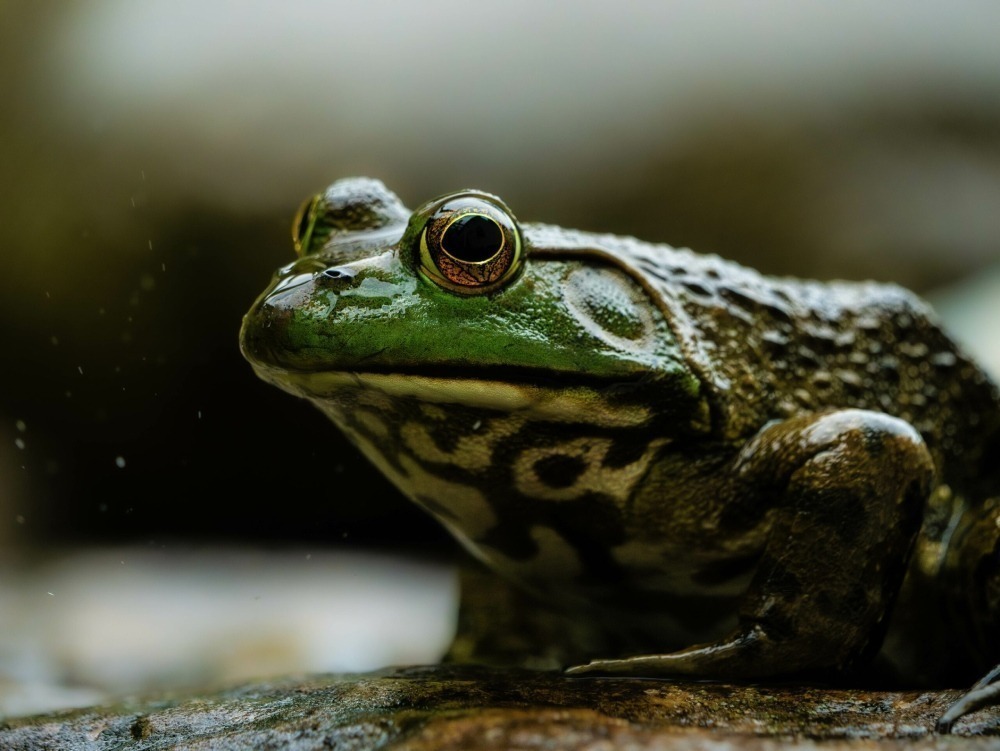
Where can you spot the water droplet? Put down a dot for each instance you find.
(21, 426)
(19, 442)
(120, 462)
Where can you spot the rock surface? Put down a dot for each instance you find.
(453, 707)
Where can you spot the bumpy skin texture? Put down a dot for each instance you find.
(665, 446)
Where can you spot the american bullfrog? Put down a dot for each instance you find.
(724, 475)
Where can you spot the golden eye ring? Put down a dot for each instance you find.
(471, 245)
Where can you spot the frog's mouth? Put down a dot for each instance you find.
(547, 398)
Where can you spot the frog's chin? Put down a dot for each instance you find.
(541, 402)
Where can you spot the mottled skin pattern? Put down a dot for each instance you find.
(668, 447)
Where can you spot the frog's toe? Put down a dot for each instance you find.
(986, 693)
(625, 666)
(591, 667)
(732, 658)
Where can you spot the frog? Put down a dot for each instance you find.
(708, 472)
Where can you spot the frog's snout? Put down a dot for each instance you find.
(262, 327)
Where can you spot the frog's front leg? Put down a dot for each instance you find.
(847, 490)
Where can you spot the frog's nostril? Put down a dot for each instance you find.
(340, 272)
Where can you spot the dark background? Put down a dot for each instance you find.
(153, 155)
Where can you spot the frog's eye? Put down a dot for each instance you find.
(471, 245)
(304, 224)
(356, 208)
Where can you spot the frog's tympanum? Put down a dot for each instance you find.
(726, 475)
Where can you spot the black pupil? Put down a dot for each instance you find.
(472, 238)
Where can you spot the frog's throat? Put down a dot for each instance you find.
(573, 404)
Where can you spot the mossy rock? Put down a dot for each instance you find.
(463, 707)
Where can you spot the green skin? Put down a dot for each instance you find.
(667, 447)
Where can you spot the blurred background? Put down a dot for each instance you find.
(154, 153)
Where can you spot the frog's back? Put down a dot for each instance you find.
(770, 348)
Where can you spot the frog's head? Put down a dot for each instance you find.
(457, 302)
(487, 368)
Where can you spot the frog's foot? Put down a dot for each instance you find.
(986, 693)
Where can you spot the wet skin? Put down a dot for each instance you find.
(733, 476)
